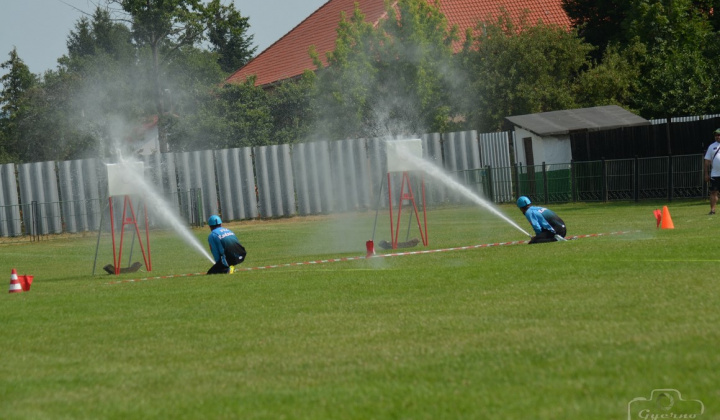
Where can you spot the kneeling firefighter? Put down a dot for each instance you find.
(225, 247)
(548, 226)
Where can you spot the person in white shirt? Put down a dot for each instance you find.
(712, 170)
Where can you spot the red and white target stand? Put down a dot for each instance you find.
(120, 184)
(403, 156)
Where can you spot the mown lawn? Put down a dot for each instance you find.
(555, 331)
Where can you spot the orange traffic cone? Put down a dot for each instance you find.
(658, 217)
(667, 222)
(15, 286)
(26, 282)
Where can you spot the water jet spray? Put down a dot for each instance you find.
(126, 178)
(414, 162)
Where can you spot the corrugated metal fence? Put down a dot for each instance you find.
(270, 181)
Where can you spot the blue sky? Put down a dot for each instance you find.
(39, 28)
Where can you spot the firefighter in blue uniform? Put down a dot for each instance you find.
(548, 226)
(225, 247)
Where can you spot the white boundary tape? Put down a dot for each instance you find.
(394, 254)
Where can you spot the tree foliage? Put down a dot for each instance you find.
(387, 80)
(164, 27)
(677, 72)
(517, 68)
(614, 80)
(599, 22)
(105, 88)
(16, 84)
(169, 27)
(228, 35)
(231, 115)
(292, 110)
(168, 58)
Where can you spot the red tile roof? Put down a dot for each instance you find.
(289, 56)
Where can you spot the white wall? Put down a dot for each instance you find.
(545, 149)
(554, 150)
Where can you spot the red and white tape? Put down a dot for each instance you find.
(393, 254)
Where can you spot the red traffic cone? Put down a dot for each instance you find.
(658, 217)
(15, 286)
(26, 282)
(667, 222)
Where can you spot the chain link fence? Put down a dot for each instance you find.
(666, 177)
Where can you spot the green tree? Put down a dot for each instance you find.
(599, 22)
(393, 79)
(677, 73)
(192, 78)
(101, 93)
(81, 42)
(606, 22)
(168, 27)
(16, 83)
(419, 55)
(164, 27)
(100, 89)
(101, 35)
(345, 86)
(228, 35)
(231, 115)
(53, 127)
(668, 24)
(292, 110)
(521, 69)
(615, 80)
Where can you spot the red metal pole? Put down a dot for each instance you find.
(422, 183)
(137, 231)
(147, 239)
(392, 232)
(112, 232)
(417, 215)
(397, 226)
(122, 235)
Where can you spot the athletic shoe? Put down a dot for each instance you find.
(711, 213)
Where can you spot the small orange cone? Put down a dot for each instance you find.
(15, 286)
(658, 217)
(667, 222)
(26, 282)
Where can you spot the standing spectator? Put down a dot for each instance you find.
(712, 170)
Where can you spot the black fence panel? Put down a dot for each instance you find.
(652, 178)
(687, 176)
(588, 181)
(620, 179)
(664, 177)
(690, 137)
(677, 138)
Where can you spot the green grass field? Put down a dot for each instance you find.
(572, 330)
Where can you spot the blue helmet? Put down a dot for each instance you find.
(523, 202)
(214, 220)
